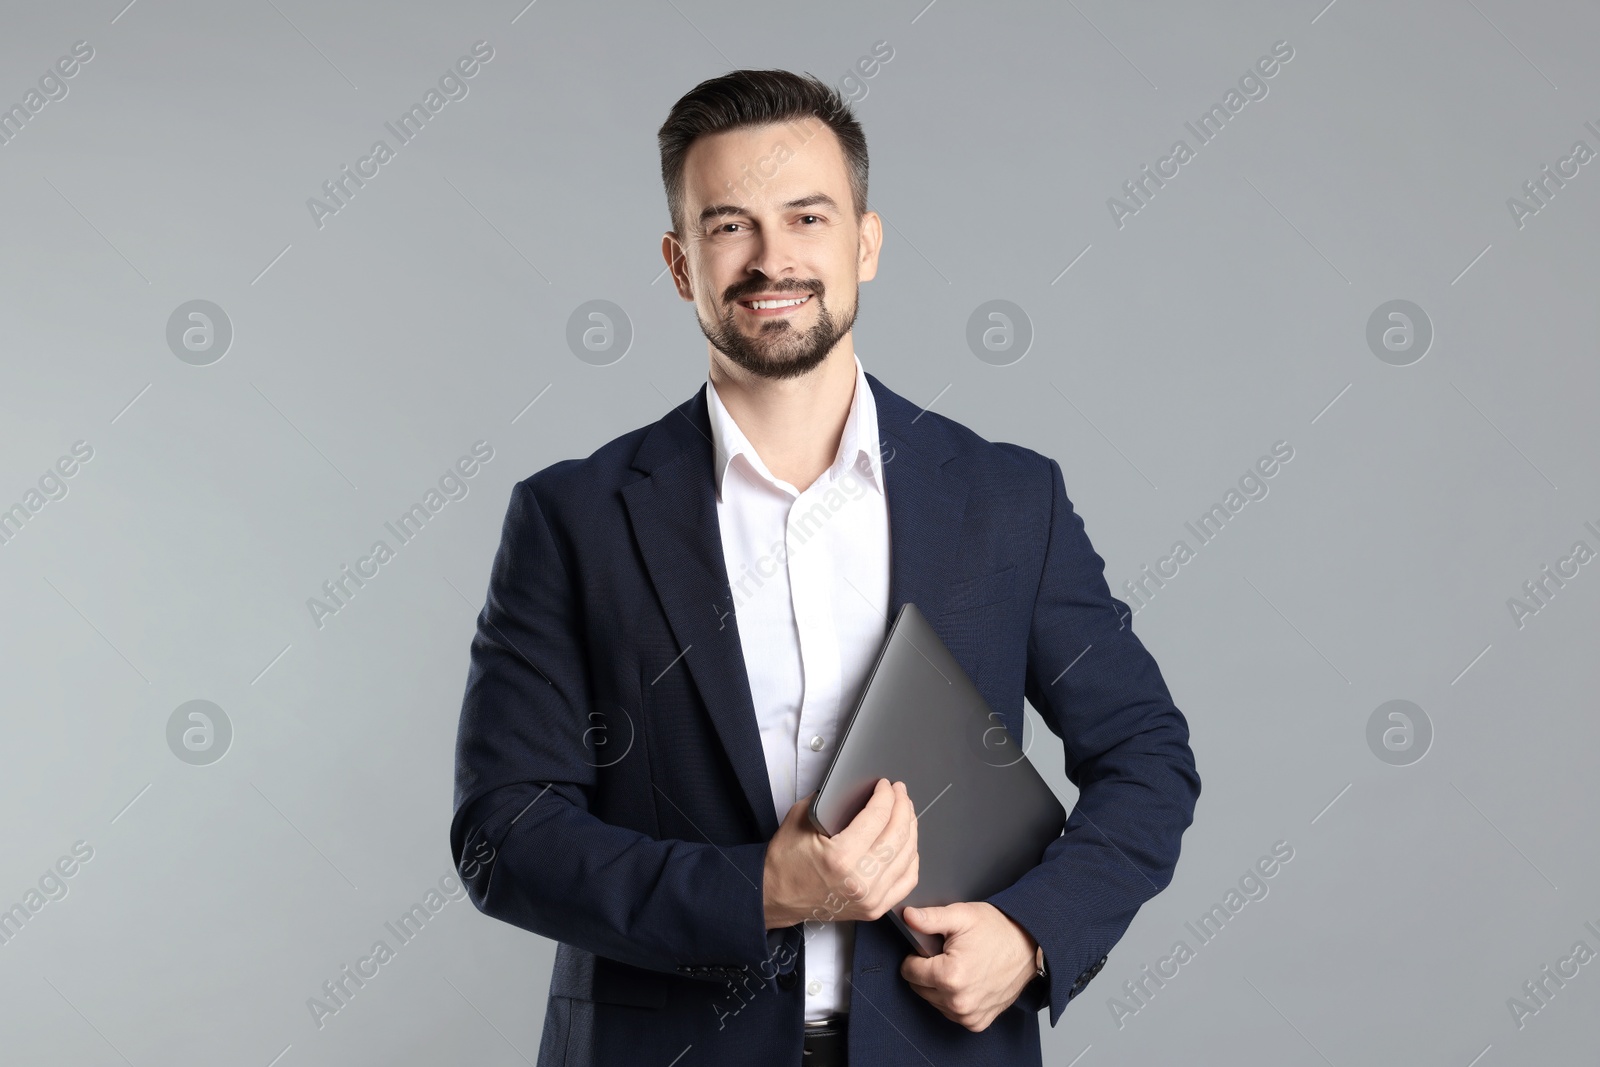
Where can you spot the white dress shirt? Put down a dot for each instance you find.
(810, 577)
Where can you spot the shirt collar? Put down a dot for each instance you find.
(858, 444)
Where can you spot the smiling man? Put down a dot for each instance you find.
(678, 625)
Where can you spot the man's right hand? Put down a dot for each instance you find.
(859, 873)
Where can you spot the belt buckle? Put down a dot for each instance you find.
(825, 1041)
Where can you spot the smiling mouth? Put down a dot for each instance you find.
(775, 307)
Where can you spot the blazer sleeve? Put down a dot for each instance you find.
(529, 850)
(1127, 750)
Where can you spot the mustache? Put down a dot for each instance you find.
(739, 292)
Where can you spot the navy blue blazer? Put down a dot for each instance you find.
(611, 793)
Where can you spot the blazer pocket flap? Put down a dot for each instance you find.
(582, 975)
(618, 983)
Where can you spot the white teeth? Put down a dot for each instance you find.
(762, 305)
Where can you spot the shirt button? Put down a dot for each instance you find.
(817, 743)
(813, 987)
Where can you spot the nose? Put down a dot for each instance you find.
(773, 255)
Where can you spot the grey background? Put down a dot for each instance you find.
(368, 355)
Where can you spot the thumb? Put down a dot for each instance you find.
(798, 812)
(941, 920)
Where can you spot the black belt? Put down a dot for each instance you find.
(826, 1041)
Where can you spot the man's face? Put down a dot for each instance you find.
(767, 217)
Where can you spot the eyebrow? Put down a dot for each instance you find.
(813, 200)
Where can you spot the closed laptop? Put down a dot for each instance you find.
(984, 815)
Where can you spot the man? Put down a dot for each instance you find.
(677, 625)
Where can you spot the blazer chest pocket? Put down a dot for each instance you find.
(979, 591)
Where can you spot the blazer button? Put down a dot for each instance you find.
(788, 980)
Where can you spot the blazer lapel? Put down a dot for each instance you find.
(673, 512)
(926, 504)
(674, 517)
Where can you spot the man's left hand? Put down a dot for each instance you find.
(987, 961)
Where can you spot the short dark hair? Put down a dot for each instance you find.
(743, 98)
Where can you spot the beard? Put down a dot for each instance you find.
(778, 350)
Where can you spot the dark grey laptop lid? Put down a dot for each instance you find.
(984, 816)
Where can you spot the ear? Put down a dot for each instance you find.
(673, 252)
(869, 241)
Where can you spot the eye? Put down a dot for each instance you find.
(817, 217)
(723, 228)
